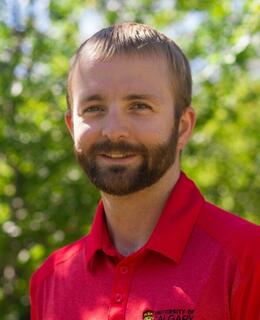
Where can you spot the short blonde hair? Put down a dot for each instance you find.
(141, 40)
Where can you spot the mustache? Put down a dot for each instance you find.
(121, 147)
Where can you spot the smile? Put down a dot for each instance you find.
(117, 155)
(117, 158)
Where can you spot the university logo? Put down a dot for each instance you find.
(169, 314)
(148, 315)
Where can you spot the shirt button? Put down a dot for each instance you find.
(124, 269)
(118, 298)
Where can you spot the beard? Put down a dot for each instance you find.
(120, 180)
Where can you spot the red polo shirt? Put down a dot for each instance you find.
(200, 263)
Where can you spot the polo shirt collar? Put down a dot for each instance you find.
(172, 231)
(177, 220)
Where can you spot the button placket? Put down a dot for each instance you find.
(121, 286)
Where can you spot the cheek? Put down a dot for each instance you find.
(154, 132)
(84, 135)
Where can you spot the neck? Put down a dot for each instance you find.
(132, 218)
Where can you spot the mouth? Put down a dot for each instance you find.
(119, 158)
(116, 155)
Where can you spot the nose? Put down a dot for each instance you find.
(116, 126)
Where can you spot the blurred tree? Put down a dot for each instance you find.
(43, 195)
(42, 198)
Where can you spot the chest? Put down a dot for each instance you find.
(155, 288)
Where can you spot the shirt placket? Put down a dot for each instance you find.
(123, 278)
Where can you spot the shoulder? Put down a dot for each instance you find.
(238, 236)
(56, 259)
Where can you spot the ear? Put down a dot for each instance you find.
(186, 125)
(69, 122)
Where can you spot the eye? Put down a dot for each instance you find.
(140, 106)
(93, 109)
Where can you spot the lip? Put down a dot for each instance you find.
(117, 159)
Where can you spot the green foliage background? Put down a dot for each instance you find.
(45, 200)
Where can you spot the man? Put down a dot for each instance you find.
(157, 249)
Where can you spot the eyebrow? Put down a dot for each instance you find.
(129, 97)
(140, 97)
(93, 97)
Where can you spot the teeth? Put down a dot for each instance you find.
(116, 155)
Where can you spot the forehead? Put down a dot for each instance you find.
(121, 74)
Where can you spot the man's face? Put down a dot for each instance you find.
(123, 122)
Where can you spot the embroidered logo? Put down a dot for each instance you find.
(169, 314)
(148, 315)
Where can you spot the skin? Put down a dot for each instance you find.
(114, 115)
